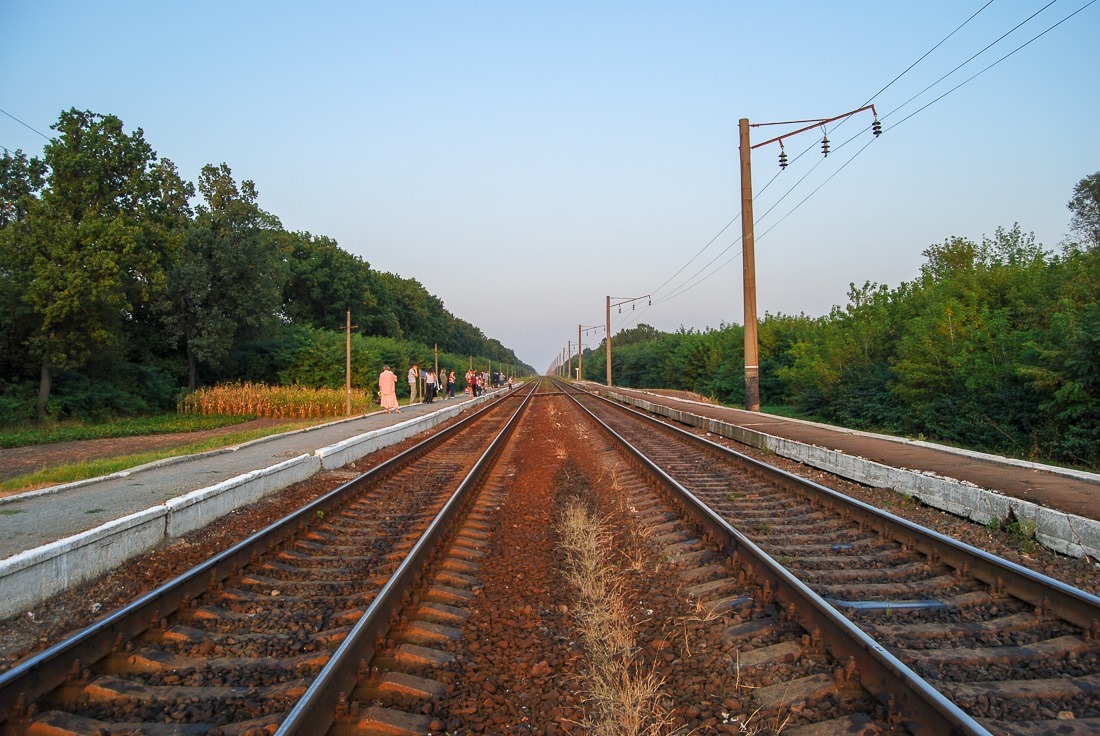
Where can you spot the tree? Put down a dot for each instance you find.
(21, 179)
(324, 283)
(1085, 206)
(226, 283)
(92, 246)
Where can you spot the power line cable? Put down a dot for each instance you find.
(869, 100)
(995, 63)
(709, 243)
(864, 147)
(987, 47)
(691, 282)
(868, 143)
(678, 290)
(25, 125)
(701, 251)
(925, 55)
(837, 148)
(815, 191)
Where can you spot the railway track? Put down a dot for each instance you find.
(742, 665)
(268, 634)
(1015, 651)
(428, 596)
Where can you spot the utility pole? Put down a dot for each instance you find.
(752, 360)
(748, 246)
(607, 343)
(347, 370)
(569, 354)
(582, 330)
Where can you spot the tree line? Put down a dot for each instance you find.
(116, 290)
(994, 345)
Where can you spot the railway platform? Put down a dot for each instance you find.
(60, 536)
(1064, 503)
(37, 518)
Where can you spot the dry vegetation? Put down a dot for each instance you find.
(624, 699)
(277, 402)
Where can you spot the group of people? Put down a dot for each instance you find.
(434, 384)
(441, 383)
(476, 383)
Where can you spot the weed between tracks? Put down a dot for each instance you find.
(624, 699)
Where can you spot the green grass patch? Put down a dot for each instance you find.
(95, 468)
(132, 427)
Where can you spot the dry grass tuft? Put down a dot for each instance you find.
(623, 700)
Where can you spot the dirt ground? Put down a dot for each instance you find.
(22, 460)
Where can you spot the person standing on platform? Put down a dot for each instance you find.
(451, 385)
(387, 390)
(429, 386)
(414, 376)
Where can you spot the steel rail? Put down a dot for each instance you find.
(49, 669)
(318, 708)
(923, 709)
(1076, 606)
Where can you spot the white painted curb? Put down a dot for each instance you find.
(198, 508)
(31, 577)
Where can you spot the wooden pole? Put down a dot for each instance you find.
(752, 360)
(608, 343)
(347, 370)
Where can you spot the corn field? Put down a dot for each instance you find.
(277, 402)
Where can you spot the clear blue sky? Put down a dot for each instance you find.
(525, 160)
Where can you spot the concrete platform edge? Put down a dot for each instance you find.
(198, 508)
(350, 450)
(31, 577)
(1065, 533)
